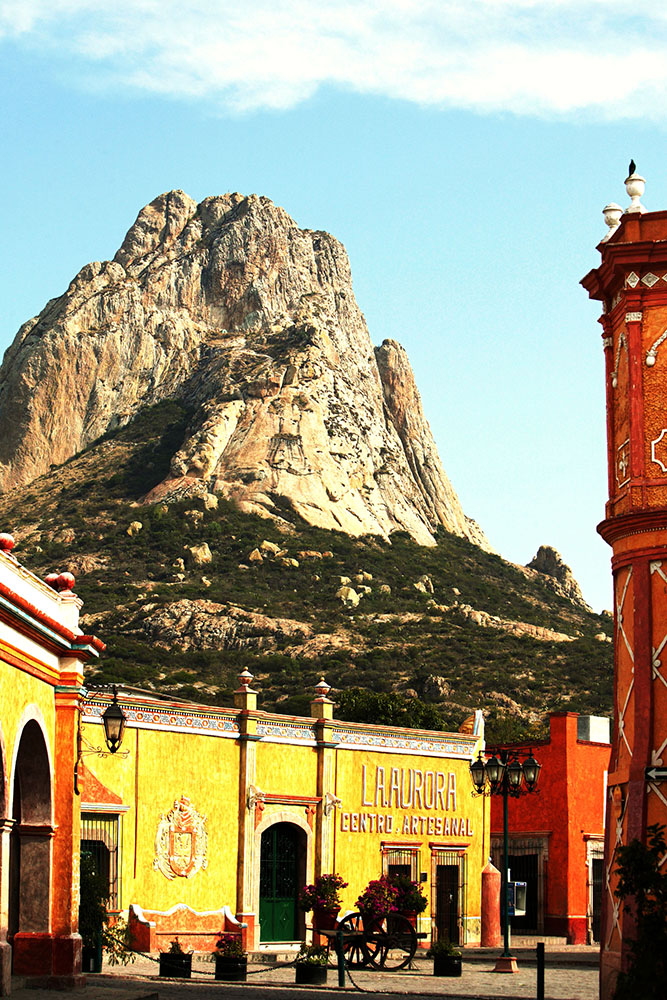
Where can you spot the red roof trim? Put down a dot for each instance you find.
(72, 638)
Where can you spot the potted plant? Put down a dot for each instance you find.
(231, 961)
(378, 899)
(323, 898)
(410, 900)
(311, 965)
(100, 931)
(94, 892)
(446, 958)
(176, 962)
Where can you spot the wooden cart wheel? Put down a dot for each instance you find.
(356, 950)
(391, 942)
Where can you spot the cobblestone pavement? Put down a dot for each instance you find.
(564, 980)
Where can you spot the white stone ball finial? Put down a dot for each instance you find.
(612, 216)
(634, 185)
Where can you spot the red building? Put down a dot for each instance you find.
(556, 836)
(631, 286)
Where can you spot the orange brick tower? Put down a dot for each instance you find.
(631, 283)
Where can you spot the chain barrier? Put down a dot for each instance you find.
(200, 972)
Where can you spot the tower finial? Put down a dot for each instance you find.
(634, 185)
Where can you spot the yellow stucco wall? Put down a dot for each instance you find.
(388, 800)
(404, 801)
(285, 769)
(160, 768)
(20, 691)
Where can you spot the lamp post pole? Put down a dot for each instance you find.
(505, 885)
(504, 776)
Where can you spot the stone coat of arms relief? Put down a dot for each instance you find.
(181, 841)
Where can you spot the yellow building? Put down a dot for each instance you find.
(205, 818)
(210, 816)
(42, 652)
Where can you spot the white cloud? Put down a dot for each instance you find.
(534, 57)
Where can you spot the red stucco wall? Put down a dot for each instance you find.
(569, 807)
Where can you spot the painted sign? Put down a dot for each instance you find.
(431, 792)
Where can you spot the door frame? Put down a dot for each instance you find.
(282, 816)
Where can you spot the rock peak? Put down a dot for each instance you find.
(229, 305)
(550, 563)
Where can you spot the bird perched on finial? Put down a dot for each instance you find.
(632, 168)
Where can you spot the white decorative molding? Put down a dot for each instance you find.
(635, 317)
(623, 463)
(331, 802)
(622, 342)
(616, 299)
(607, 341)
(621, 631)
(632, 279)
(653, 447)
(614, 903)
(652, 352)
(650, 279)
(255, 797)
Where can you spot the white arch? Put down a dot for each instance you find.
(31, 713)
(283, 816)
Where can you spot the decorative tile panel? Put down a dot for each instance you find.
(403, 744)
(151, 717)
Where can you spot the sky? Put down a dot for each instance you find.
(461, 151)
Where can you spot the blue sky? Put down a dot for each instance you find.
(462, 152)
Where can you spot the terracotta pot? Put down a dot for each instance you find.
(325, 920)
(411, 915)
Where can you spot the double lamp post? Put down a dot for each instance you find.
(505, 774)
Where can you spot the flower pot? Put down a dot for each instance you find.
(176, 966)
(411, 915)
(325, 920)
(447, 965)
(310, 975)
(231, 968)
(91, 958)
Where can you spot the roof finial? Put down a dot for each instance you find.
(634, 185)
(612, 216)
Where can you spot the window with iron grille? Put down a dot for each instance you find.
(401, 861)
(101, 837)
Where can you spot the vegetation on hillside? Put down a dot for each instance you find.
(392, 645)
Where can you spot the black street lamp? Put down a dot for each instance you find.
(113, 720)
(504, 775)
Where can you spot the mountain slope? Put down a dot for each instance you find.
(490, 635)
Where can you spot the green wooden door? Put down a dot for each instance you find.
(278, 883)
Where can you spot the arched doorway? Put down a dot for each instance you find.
(282, 873)
(32, 830)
